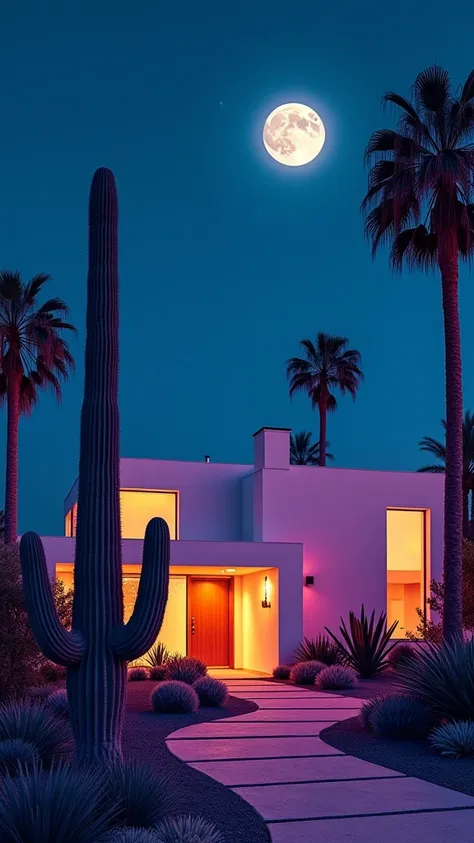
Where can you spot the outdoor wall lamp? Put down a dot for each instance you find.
(309, 580)
(265, 602)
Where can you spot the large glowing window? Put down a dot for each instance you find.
(137, 507)
(406, 567)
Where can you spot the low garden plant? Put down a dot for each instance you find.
(282, 671)
(402, 653)
(137, 674)
(304, 673)
(211, 692)
(187, 829)
(158, 672)
(365, 645)
(336, 677)
(367, 710)
(37, 725)
(185, 669)
(174, 697)
(131, 835)
(400, 716)
(16, 754)
(142, 798)
(454, 740)
(320, 649)
(58, 703)
(157, 656)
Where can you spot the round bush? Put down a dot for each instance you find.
(37, 725)
(58, 703)
(137, 674)
(16, 752)
(401, 654)
(336, 677)
(185, 669)
(367, 711)
(175, 698)
(304, 673)
(454, 740)
(187, 829)
(282, 671)
(131, 835)
(211, 691)
(398, 716)
(144, 799)
(158, 672)
(51, 672)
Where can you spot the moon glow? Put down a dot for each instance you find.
(293, 134)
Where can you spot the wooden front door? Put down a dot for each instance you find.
(209, 627)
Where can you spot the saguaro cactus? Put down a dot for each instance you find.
(97, 649)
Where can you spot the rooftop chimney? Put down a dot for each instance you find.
(271, 448)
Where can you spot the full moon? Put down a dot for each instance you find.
(293, 134)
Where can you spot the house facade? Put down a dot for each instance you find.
(263, 554)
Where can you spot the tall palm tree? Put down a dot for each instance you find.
(302, 452)
(326, 366)
(433, 446)
(33, 356)
(421, 187)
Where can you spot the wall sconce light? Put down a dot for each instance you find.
(207, 458)
(309, 580)
(265, 602)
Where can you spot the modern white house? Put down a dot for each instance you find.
(263, 554)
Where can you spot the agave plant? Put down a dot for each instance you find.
(158, 655)
(319, 649)
(366, 644)
(443, 676)
(454, 740)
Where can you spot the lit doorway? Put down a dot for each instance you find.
(406, 568)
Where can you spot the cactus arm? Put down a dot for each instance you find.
(59, 645)
(132, 640)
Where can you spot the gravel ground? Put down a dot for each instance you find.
(364, 690)
(144, 738)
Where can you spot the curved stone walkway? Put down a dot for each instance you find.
(307, 790)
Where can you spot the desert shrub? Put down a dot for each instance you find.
(402, 653)
(399, 716)
(365, 645)
(336, 677)
(157, 656)
(19, 654)
(174, 697)
(39, 693)
(319, 649)
(51, 672)
(63, 600)
(443, 676)
(304, 673)
(142, 798)
(15, 754)
(131, 835)
(367, 710)
(454, 740)
(282, 671)
(185, 669)
(158, 672)
(64, 805)
(211, 691)
(187, 829)
(137, 674)
(49, 734)
(58, 703)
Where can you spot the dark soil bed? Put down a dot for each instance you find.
(144, 738)
(414, 758)
(366, 688)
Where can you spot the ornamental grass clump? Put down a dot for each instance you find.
(365, 645)
(187, 829)
(304, 673)
(36, 725)
(158, 672)
(137, 674)
(185, 669)
(367, 709)
(401, 654)
(142, 797)
(131, 835)
(336, 677)
(319, 649)
(443, 676)
(58, 703)
(211, 692)
(173, 697)
(16, 754)
(398, 716)
(282, 671)
(454, 740)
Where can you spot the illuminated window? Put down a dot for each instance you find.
(137, 508)
(406, 568)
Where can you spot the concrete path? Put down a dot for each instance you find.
(307, 790)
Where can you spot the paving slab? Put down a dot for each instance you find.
(225, 729)
(436, 826)
(278, 770)
(323, 800)
(296, 714)
(306, 702)
(215, 749)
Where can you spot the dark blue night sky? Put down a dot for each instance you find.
(227, 259)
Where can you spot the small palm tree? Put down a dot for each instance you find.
(421, 184)
(302, 452)
(433, 446)
(33, 356)
(326, 366)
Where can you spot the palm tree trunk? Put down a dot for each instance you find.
(453, 492)
(11, 484)
(471, 521)
(465, 514)
(322, 432)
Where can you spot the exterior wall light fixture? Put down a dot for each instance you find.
(265, 602)
(309, 580)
